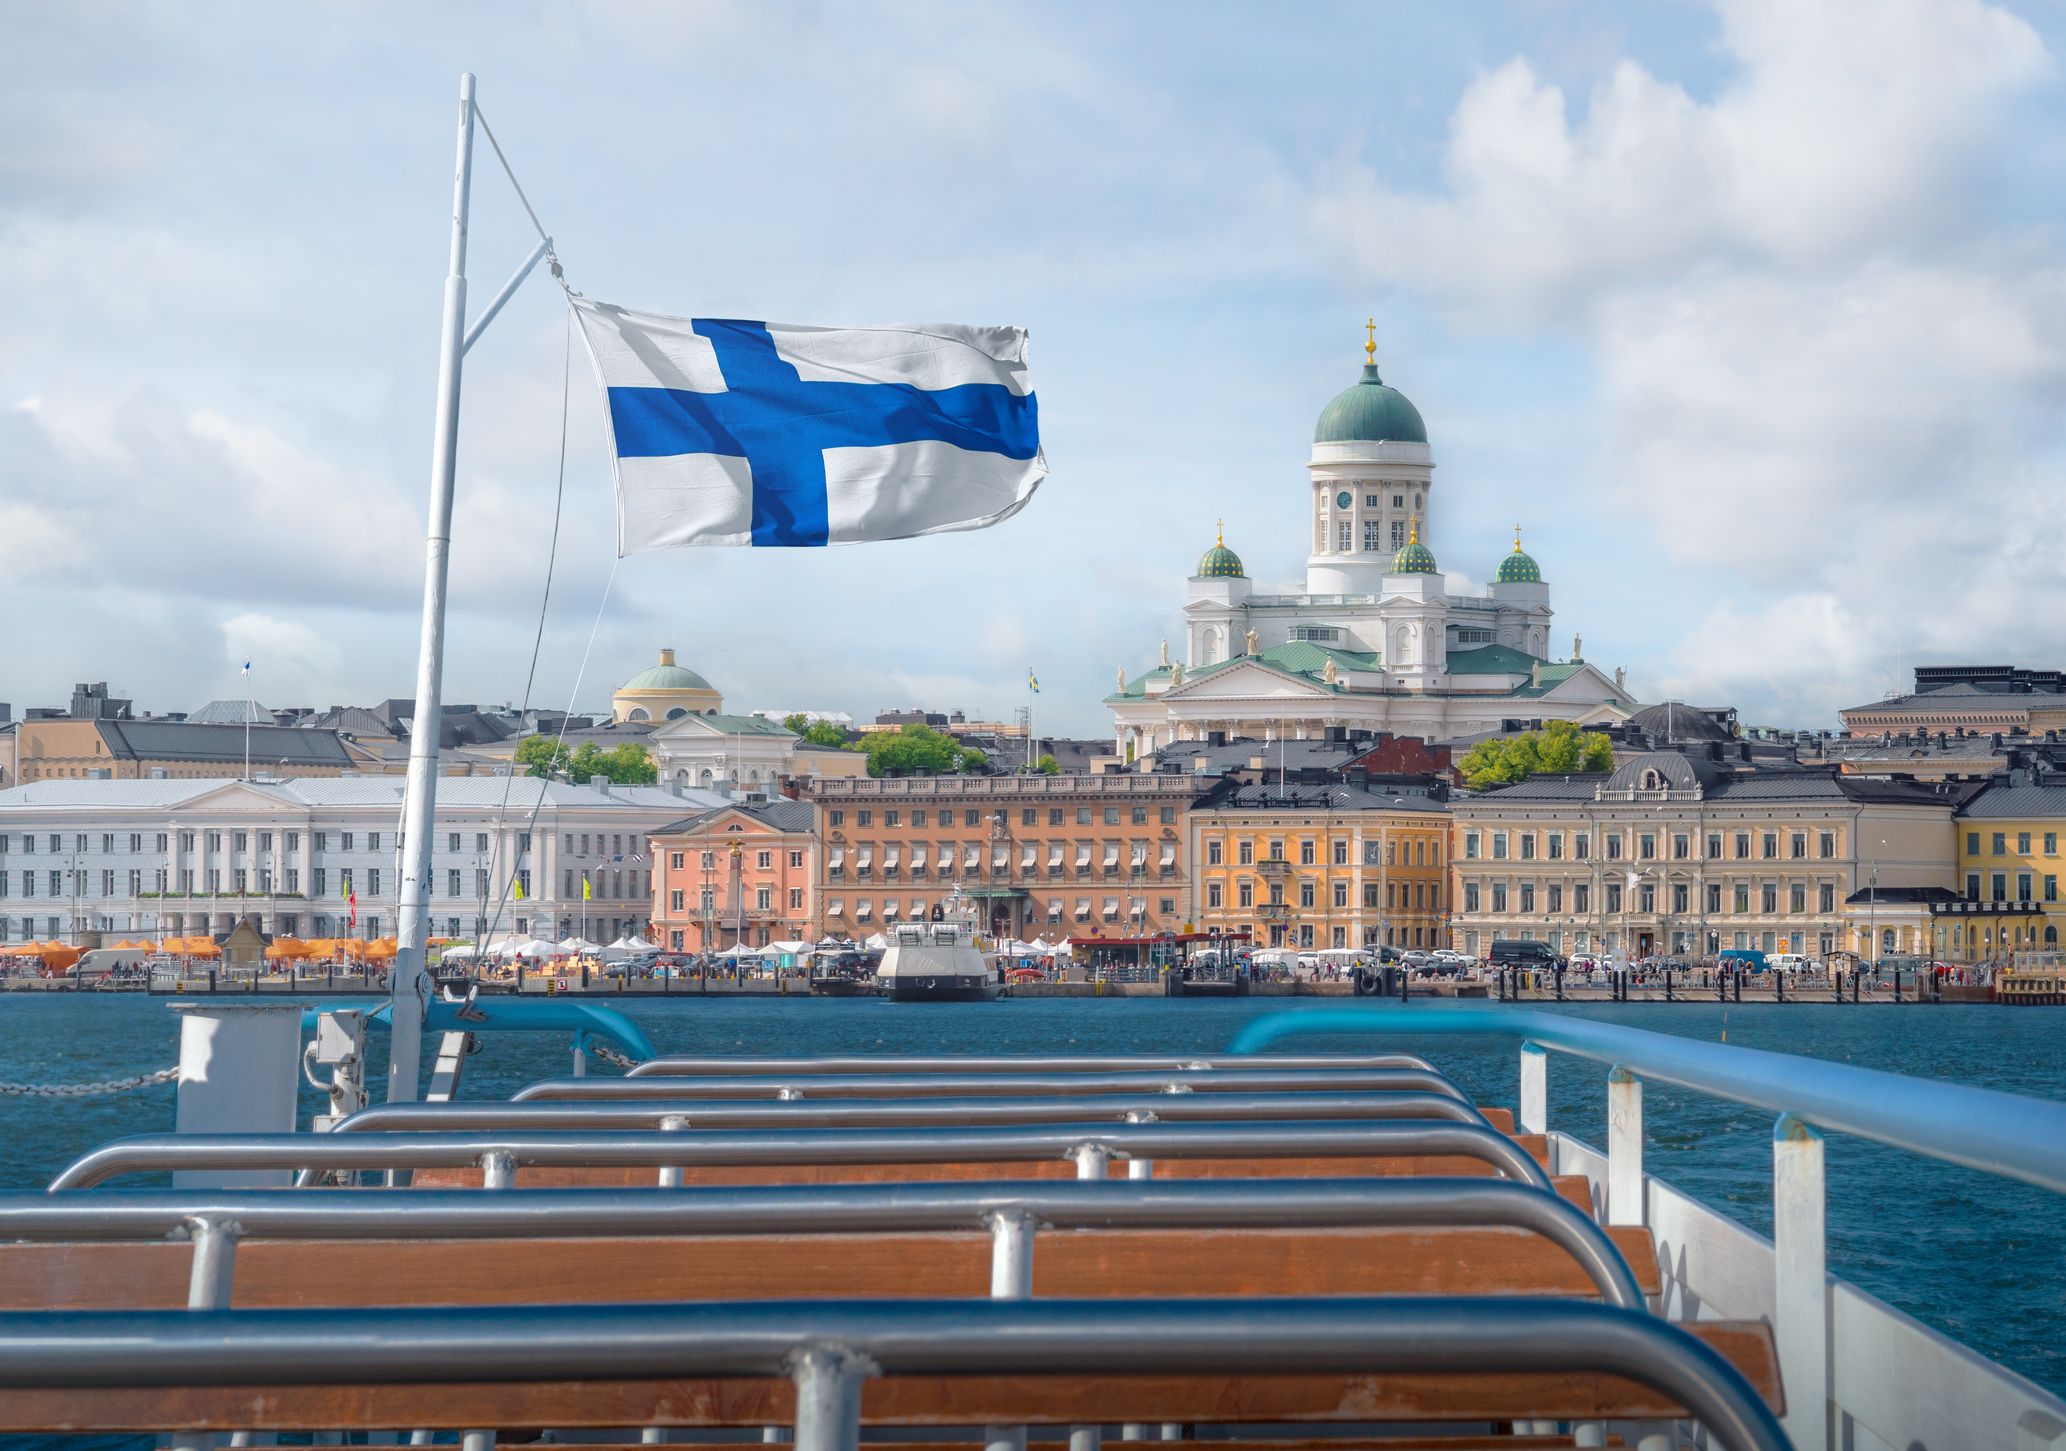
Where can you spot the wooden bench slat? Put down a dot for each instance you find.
(904, 1401)
(601, 1270)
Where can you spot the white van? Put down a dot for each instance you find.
(1791, 962)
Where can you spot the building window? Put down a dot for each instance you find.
(2023, 892)
(2051, 887)
(1581, 845)
(451, 881)
(1614, 847)
(1742, 846)
(1768, 898)
(1341, 894)
(1556, 897)
(1972, 886)
(1305, 894)
(1998, 882)
(1797, 898)
(1499, 846)
(1825, 898)
(1714, 896)
(1212, 852)
(1373, 536)
(1213, 895)
(1972, 843)
(1247, 894)
(1470, 846)
(2051, 843)
(1343, 540)
(2023, 843)
(1318, 634)
(1244, 851)
(1305, 853)
(1527, 896)
(1398, 534)
(1999, 842)
(1470, 896)
(1797, 845)
(1581, 897)
(1742, 903)
(1499, 896)
(1527, 845)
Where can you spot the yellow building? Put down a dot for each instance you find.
(2009, 868)
(666, 691)
(1321, 865)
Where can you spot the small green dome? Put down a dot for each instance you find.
(1370, 412)
(1414, 557)
(666, 676)
(1220, 562)
(1518, 568)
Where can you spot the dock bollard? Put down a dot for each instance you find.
(1897, 982)
(1778, 985)
(1736, 978)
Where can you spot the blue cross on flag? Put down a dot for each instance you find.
(779, 435)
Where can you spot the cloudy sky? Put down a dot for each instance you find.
(1752, 314)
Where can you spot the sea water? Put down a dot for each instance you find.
(1969, 1254)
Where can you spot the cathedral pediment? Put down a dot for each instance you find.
(1245, 680)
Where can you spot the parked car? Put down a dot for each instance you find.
(1522, 952)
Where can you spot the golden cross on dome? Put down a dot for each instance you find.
(1517, 539)
(1414, 536)
(1220, 530)
(1370, 341)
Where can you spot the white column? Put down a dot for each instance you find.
(1624, 1148)
(1800, 1326)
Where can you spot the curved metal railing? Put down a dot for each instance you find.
(682, 1065)
(542, 1113)
(830, 1347)
(499, 1154)
(942, 1085)
(1980, 1128)
(1012, 1213)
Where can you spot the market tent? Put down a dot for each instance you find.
(579, 944)
(282, 949)
(636, 944)
(877, 943)
(382, 947)
(460, 949)
(530, 949)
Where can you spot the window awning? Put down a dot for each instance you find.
(891, 909)
(918, 906)
(1054, 856)
(974, 856)
(1082, 856)
(1111, 853)
(1138, 906)
(1169, 853)
(865, 856)
(1054, 911)
(1083, 907)
(1111, 906)
(864, 909)
(947, 855)
(837, 909)
(891, 855)
(1001, 856)
(838, 858)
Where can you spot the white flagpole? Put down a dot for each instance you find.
(409, 986)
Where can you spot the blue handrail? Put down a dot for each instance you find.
(1980, 1128)
(513, 1015)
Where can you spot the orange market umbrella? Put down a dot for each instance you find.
(283, 948)
(381, 947)
(201, 947)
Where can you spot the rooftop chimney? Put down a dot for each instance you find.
(600, 783)
(666, 657)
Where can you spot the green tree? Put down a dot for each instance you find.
(815, 732)
(1048, 766)
(1559, 748)
(917, 748)
(625, 765)
(542, 755)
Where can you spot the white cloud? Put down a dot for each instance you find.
(289, 660)
(1824, 379)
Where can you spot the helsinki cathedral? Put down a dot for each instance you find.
(1378, 641)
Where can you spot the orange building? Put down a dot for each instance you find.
(1083, 857)
(738, 875)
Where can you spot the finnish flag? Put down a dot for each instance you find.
(779, 435)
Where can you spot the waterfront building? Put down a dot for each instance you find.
(666, 691)
(1379, 639)
(739, 875)
(1680, 851)
(2009, 866)
(193, 857)
(1082, 856)
(1317, 863)
(1970, 699)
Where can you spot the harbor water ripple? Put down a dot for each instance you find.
(1969, 1254)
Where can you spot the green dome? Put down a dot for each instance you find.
(1220, 562)
(666, 676)
(1414, 557)
(1518, 568)
(1370, 412)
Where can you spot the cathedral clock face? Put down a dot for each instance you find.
(1344, 499)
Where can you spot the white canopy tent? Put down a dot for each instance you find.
(579, 944)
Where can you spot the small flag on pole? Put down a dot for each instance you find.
(780, 435)
(585, 893)
(247, 668)
(1032, 682)
(516, 887)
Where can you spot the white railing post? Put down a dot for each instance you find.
(1624, 1147)
(1800, 1322)
(1534, 1115)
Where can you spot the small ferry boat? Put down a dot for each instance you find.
(937, 962)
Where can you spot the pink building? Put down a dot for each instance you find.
(738, 875)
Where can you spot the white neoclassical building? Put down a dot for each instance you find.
(1377, 640)
(194, 857)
